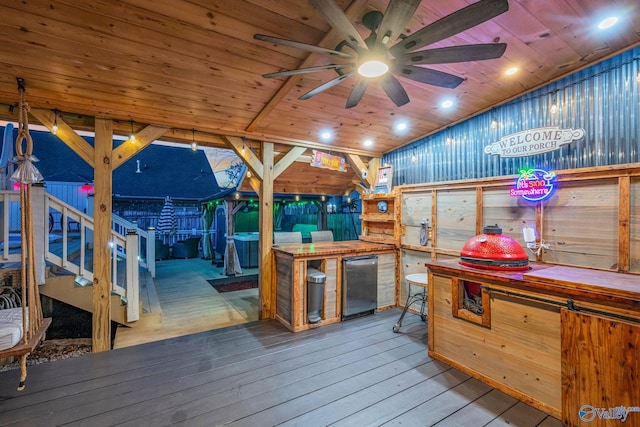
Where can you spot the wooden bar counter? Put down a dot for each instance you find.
(565, 340)
(291, 262)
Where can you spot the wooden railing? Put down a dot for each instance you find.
(67, 242)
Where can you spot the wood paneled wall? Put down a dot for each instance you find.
(592, 220)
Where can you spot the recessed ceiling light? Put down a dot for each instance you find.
(608, 22)
(401, 126)
(368, 142)
(447, 104)
(511, 71)
(326, 135)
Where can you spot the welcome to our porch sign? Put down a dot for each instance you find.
(533, 141)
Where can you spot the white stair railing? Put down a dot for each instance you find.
(146, 242)
(75, 255)
(71, 246)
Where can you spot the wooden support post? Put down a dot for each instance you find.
(133, 279)
(102, 235)
(267, 285)
(624, 222)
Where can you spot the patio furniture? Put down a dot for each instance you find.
(186, 248)
(287, 237)
(162, 250)
(305, 229)
(420, 280)
(319, 236)
(322, 236)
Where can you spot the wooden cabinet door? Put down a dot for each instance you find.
(600, 370)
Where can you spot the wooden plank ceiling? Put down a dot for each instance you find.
(194, 64)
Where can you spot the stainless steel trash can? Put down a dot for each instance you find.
(315, 294)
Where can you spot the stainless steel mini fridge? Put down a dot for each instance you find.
(359, 285)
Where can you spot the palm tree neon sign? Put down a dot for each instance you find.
(534, 185)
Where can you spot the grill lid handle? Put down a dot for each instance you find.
(492, 229)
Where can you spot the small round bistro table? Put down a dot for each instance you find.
(420, 280)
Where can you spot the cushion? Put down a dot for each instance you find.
(10, 327)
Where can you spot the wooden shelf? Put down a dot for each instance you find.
(380, 227)
(382, 217)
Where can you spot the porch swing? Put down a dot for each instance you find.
(30, 312)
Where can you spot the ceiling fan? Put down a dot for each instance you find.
(377, 57)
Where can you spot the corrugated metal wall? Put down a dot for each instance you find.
(604, 100)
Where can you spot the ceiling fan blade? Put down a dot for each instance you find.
(325, 86)
(302, 46)
(396, 17)
(455, 23)
(394, 90)
(449, 55)
(356, 93)
(306, 70)
(428, 76)
(339, 21)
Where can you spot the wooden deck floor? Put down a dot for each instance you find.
(190, 304)
(354, 373)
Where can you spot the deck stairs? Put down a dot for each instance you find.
(66, 270)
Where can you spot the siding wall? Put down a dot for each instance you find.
(604, 100)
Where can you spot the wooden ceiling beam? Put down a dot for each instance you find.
(353, 11)
(143, 138)
(286, 161)
(242, 150)
(358, 166)
(69, 136)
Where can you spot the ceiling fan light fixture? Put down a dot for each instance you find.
(373, 65)
(373, 68)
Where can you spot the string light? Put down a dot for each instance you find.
(132, 137)
(554, 105)
(194, 145)
(54, 128)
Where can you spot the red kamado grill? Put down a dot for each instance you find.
(493, 251)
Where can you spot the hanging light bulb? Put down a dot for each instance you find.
(242, 151)
(194, 145)
(494, 123)
(248, 174)
(554, 106)
(132, 136)
(54, 128)
(414, 158)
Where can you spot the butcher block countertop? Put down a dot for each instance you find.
(559, 280)
(344, 248)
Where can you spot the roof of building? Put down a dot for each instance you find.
(155, 172)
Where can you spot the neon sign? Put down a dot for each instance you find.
(534, 185)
